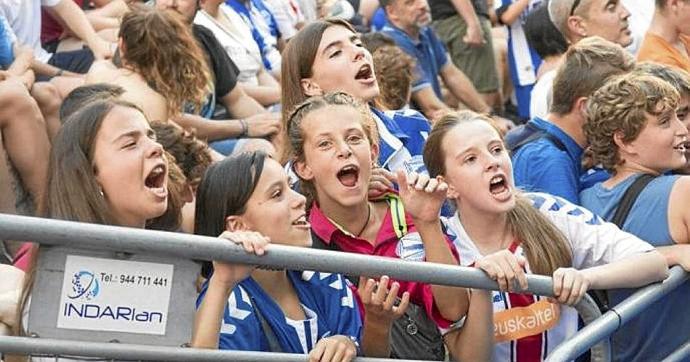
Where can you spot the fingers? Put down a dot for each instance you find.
(381, 291)
(421, 182)
(317, 352)
(389, 302)
(252, 242)
(567, 282)
(403, 183)
(504, 268)
(402, 307)
(383, 176)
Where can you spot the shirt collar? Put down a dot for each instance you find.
(573, 149)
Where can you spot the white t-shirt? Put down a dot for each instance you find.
(24, 16)
(237, 42)
(592, 241)
(287, 14)
(542, 95)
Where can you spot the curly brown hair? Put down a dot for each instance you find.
(191, 154)
(621, 107)
(159, 46)
(394, 70)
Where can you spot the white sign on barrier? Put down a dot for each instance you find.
(115, 295)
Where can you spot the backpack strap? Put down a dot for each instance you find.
(273, 344)
(601, 297)
(535, 135)
(397, 215)
(629, 198)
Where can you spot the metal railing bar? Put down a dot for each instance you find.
(28, 345)
(616, 317)
(679, 355)
(104, 237)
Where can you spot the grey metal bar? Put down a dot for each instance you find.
(680, 355)
(102, 237)
(616, 317)
(95, 236)
(589, 311)
(42, 346)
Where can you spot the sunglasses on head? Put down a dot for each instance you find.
(576, 3)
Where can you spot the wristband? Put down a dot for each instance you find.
(245, 128)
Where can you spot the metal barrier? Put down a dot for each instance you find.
(680, 355)
(127, 240)
(622, 313)
(145, 352)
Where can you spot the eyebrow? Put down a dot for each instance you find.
(352, 38)
(134, 133)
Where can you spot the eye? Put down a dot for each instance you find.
(497, 150)
(354, 139)
(470, 159)
(323, 144)
(277, 194)
(335, 53)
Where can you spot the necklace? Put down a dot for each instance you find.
(368, 218)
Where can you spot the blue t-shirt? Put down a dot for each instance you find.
(542, 167)
(428, 52)
(327, 301)
(667, 321)
(6, 53)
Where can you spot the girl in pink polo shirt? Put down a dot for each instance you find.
(333, 147)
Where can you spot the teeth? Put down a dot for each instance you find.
(496, 179)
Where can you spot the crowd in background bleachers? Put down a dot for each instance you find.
(498, 134)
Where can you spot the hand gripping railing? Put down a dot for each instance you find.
(617, 316)
(102, 237)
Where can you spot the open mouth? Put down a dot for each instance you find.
(348, 175)
(682, 147)
(155, 181)
(498, 185)
(365, 73)
(301, 222)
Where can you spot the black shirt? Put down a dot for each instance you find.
(224, 71)
(443, 9)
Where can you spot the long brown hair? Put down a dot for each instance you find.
(545, 246)
(160, 46)
(298, 59)
(71, 165)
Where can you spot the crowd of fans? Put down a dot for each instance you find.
(515, 136)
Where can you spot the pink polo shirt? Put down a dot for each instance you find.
(387, 244)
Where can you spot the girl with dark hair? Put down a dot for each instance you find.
(243, 308)
(508, 233)
(334, 162)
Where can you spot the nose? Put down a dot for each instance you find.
(492, 163)
(359, 52)
(298, 200)
(155, 149)
(625, 14)
(344, 150)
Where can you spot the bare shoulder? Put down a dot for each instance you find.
(678, 210)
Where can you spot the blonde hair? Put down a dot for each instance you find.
(545, 246)
(621, 106)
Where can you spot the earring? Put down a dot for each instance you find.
(100, 191)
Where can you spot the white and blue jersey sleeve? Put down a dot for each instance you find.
(327, 302)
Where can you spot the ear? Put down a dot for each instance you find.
(581, 106)
(623, 146)
(187, 193)
(303, 170)
(121, 47)
(310, 88)
(375, 153)
(452, 191)
(576, 28)
(235, 223)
